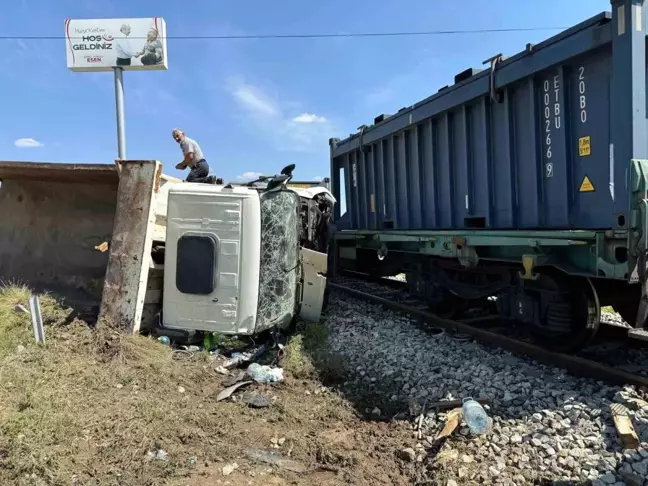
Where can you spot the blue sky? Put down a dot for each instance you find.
(253, 105)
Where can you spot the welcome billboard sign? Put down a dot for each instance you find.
(106, 44)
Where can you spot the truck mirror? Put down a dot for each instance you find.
(288, 169)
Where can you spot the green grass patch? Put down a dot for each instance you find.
(89, 402)
(15, 325)
(308, 354)
(90, 405)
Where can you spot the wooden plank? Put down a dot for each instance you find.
(624, 426)
(452, 422)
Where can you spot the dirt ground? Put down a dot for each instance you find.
(95, 407)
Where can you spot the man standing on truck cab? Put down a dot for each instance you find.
(193, 158)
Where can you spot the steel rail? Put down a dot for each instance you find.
(573, 364)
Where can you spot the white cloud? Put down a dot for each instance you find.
(248, 176)
(309, 118)
(27, 143)
(318, 178)
(280, 121)
(254, 100)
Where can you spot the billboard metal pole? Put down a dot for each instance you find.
(119, 102)
(104, 45)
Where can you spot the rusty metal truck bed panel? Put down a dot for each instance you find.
(55, 217)
(53, 172)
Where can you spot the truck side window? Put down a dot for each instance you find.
(196, 264)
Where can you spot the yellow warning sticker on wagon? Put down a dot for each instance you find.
(584, 147)
(586, 185)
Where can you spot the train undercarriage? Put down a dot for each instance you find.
(562, 312)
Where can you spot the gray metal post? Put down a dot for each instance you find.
(37, 319)
(119, 101)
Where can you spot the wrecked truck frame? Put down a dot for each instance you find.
(86, 232)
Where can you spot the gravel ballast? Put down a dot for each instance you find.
(547, 425)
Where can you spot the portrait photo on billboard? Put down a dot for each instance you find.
(104, 44)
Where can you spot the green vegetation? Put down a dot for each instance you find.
(308, 354)
(93, 406)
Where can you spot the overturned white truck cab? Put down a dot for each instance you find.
(243, 259)
(94, 238)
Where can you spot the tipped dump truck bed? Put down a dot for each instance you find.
(85, 233)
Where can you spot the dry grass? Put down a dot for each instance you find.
(88, 406)
(308, 356)
(82, 395)
(14, 326)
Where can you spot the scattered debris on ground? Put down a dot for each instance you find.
(364, 398)
(548, 427)
(97, 407)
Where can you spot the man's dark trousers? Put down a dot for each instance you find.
(199, 172)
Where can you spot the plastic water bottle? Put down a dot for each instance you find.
(475, 416)
(265, 374)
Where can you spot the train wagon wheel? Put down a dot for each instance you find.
(570, 323)
(443, 303)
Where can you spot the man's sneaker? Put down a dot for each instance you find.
(213, 180)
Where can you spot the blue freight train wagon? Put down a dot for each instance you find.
(523, 183)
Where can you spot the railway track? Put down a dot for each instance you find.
(393, 294)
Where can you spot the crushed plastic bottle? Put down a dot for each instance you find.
(191, 349)
(265, 374)
(236, 359)
(475, 416)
